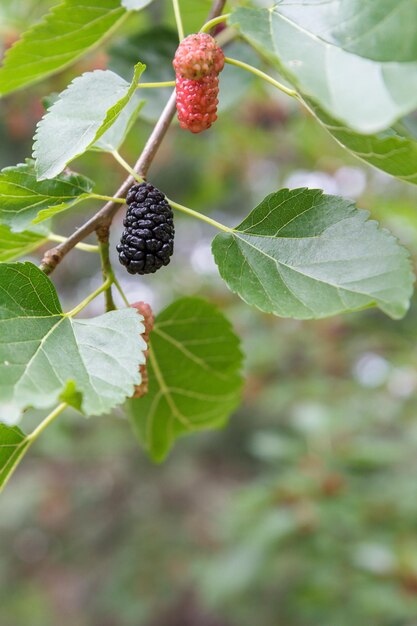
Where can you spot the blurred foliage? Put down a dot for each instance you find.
(303, 511)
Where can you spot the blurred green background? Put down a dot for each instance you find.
(303, 511)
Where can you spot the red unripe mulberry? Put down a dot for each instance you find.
(197, 102)
(198, 56)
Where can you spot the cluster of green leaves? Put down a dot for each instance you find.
(276, 463)
(298, 254)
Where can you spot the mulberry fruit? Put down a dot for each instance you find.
(198, 56)
(197, 63)
(147, 241)
(197, 102)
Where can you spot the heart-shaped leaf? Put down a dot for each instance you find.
(81, 115)
(22, 196)
(326, 51)
(66, 33)
(46, 355)
(194, 375)
(304, 254)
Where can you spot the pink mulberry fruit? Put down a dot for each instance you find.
(198, 56)
(197, 102)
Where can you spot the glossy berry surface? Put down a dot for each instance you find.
(147, 241)
(197, 102)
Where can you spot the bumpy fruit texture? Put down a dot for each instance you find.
(147, 241)
(198, 56)
(197, 64)
(197, 102)
(148, 320)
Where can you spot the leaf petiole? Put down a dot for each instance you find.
(166, 83)
(206, 28)
(90, 298)
(25, 444)
(200, 216)
(97, 196)
(46, 422)
(120, 290)
(178, 19)
(87, 247)
(118, 157)
(263, 75)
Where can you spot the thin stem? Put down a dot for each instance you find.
(107, 269)
(206, 28)
(166, 83)
(118, 157)
(46, 422)
(110, 304)
(120, 290)
(200, 216)
(178, 19)
(87, 247)
(90, 298)
(260, 74)
(26, 443)
(97, 196)
(156, 137)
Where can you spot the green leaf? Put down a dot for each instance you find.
(22, 196)
(46, 355)
(13, 445)
(303, 254)
(135, 5)
(66, 33)
(83, 113)
(325, 50)
(115, 136)
(194, 375)
(15, 245)
(382, 31)
(47, 214)
(388, 150)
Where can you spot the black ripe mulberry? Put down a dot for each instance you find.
(147, 241)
